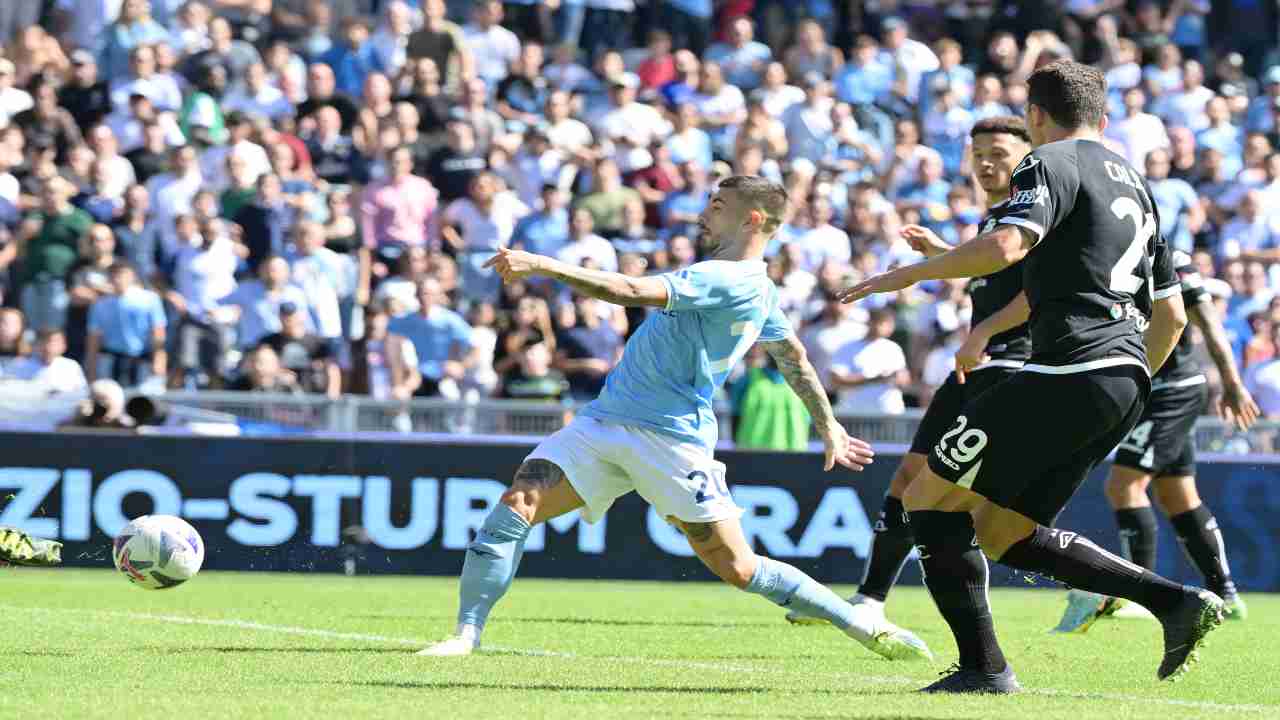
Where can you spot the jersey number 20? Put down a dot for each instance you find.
(1122, 277)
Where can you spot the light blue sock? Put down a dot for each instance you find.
(787, 586)
(492, 559)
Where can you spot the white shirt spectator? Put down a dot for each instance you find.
(162, 90)
(119, 177)
(1138, 135)
(400, 291)
(204, 275)
(938, 364)
(172, 196)
(213, 163)
(728, 100)
(481, 231)
(63, 375)
(822, 341)
(591, 247)
(777, 100)
(13, 101)
(871, 358)
(637, 120)
(10, 188)
(825, 243)
(268, 102)
(569, 135)
(318, 275)
(914, 59)
(493, 49)
(1264, 385)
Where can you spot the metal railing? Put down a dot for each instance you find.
(351, 413)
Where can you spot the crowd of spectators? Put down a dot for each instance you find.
(299, 195)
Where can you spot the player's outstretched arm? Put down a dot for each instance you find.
(1236, 405)
(609, 286)
(985, 254)
(1168, 318)
(974, 350)
(794, 365)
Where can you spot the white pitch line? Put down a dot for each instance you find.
(668, 662)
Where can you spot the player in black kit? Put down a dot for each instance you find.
(1104, 308)
(998, 144)
(1160, 452)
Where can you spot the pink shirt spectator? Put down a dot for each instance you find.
(397, 211)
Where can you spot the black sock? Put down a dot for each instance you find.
(955, 572)
(1198, 532)
(1072, 559)
(1138, 532)
(890, 546)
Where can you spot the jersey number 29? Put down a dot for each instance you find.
(1122, 277)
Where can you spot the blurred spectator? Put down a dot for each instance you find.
(126, 334)
(587, 348)
(534, 378)
(45, 122)
(265, 222)
(441, 338)
(625, 116)
(134, 28)
(475, 227)
(1252, 235)
(608, 197)
(172, 192)
(312, 359)
(142, 79)
(741, 58)
(13, 338)
(453, 167)
(1181, 214)
(441, 42)
(586, 248)
(260, 300)
(767, 414)
(870, 373)
(322, 91)
(546, 230)
(492, 46)
(1137, 132)
(51, 238)
(351, 57)
(203, 272)
(256, 96)
(384, 365)
(88, 281)
(1264, 385)
(530, 324)
(261, 371)
(48, 367)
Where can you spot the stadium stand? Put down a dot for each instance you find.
(183, 184)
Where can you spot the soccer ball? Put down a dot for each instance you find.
(157, 552)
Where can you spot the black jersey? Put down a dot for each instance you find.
(1182, 368)
(1098, 264)
(992, 292)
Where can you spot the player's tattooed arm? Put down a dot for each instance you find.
(794, 365)
(611, 287)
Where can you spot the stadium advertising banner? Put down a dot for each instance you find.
(294, 504)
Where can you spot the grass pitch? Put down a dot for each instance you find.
(83, 643)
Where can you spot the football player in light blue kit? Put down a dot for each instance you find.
(652, 429)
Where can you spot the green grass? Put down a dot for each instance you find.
(80, 644)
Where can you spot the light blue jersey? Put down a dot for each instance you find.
(673, 364)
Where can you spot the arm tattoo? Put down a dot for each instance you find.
(790, 356)
(538, 474)
(697, 532)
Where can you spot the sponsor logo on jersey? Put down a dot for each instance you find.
(1035, 196)
(937, 451)
(1117, 312)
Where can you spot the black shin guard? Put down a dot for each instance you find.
(890, 546)
(1138, 532)
(1198, 532)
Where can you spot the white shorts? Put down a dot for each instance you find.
(604, 461)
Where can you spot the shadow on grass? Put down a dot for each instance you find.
(548, 687)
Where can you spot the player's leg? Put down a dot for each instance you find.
(1198, 532)
(892, 541)
(891, 544)
(1126, 492)
(723, 548)
(538, 493)
(956, 574)
(566, 471)
(687, 486)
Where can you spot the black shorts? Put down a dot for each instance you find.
(949, 400)
(1161, 443)
(1029, 442)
